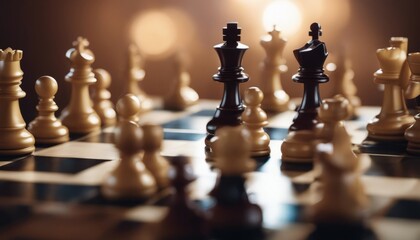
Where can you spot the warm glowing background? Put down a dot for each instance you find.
(45, 30)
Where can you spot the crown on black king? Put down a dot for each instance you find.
(231, 74)
(311, 58)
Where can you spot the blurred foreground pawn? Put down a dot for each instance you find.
(254, 120)
(394, 118)
(154, 162)
(412, 134)
(233, 216)
(100, 98)
(130, 180)
(342, 209)
(183, 220)
(275, 98)
(128, 108)
(79, 116)
(14, 138)
(136, 75)
(231, 75)
(344, 75)
(46, 128)
(181, 96)
(298, 145)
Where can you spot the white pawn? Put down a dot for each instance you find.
(232, 149)
(343, 198)
(130, 180)
(155, 163)
(46, 128)
(128, 108)
(100, 98)
(254, 120)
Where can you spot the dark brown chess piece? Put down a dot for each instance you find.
(183, 220)
(231, 75)
(298, 145)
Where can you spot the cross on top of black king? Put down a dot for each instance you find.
(232, 34)
(316, 31)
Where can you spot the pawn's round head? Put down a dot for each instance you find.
(153, 135)
(128, 106)
(46, 87)
(334, 109)
(253, 96)
(103, 78)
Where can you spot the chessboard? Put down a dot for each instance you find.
(55, 192)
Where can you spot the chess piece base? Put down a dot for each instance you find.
(276, 102)
(390, 127)
(298, 147)
(370, 145)
(83, 123)
(16, 142)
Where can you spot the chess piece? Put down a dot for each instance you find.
(130, 180)
(231, 75)
(101, 98)
(412, 134)
(233, 215)
(46, 128)
(394, 117)
(154, 162)
(79, 116)
(402, 43)
(14, 138)
(343, 198)
(275, 98)
(298, 146)
(182, 95)
(128, 108)
(136, 75)
(183, 220)
(254, 120)
(345, 86)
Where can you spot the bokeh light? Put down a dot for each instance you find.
(283, 14)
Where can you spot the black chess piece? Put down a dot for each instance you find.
(311, 58)
(231, 75)
(183, 220)
(233, 216)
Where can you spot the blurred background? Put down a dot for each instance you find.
(45, 30)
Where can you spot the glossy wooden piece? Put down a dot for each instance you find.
(254, 120)
(231, 75)
(153, 160)
(14, 138)
(233, 215)
(130, 180)
(128, 108)
(46, 128)
(183, 220)
(79, 116)
(181, 95)
(298, 145)
(101, 98)
(390, 124)
(275, 98)
(135, 76)
(412, 134)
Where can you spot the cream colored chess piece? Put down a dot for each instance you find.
(136, 75)
(298, 146)
(232, 151)
(46, 128)
(100, 98)
(79, 116)
(276, 99)
(344, 76)
(394, 117)
(14, 138)
(343, 198)
(402, 43)
(153, 160)
(128, 108)
(412, 134)
(130, 179)
(254, 120)
(182, 95)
